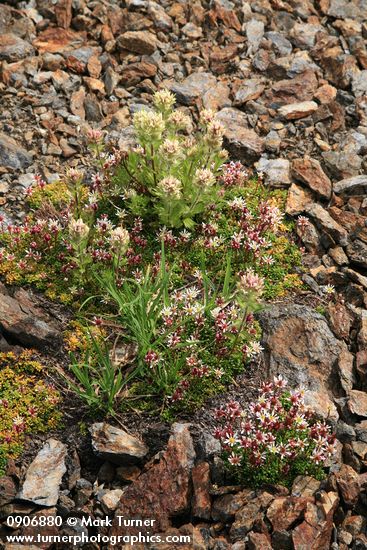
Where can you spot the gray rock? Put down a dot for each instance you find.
(359, 83)
(250, 90)
(141, 42)
(326, 223)
(254, 34)
(241, 141)
(162, 20)
(13, 155)
(342, 9)
(116, 445)
(43, 478)
(277, 171)
(356, 184)
(192, 31)
(300, 346)
(303, 35)
(357, 253)
(281, 45)
(193, 87)
(14, 48)
(23, 319)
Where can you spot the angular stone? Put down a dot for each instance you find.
(277, 171)
(303, 35)
(300, 88)
(63, 13)
(164, 490)
(258, 541)
(135, 72)
(201, 504)
(353, 9)
(309, 172)
(323, 219)
(13, 155)
(56, 40)
(13, 48)
(357, 184)
(225, 507)
(43, 478)
(359, 83)
(116, 445)
(110, 500)
(193, 87)
(347, 480)
(25, 321)
(357, 402)
(254, 34)
(141, 42)
(297, 200)
(340, 319)
(285, 511)
(305, 486)
(346, 370)
(300, 346)
(241, 141)
(246, 517)
(321, 404)
(314, 533)
(295, 111)
(7, 490)
(357, 253)
(325, 94)
(250, 90)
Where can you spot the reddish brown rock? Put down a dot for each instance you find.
(258, 541)
(8, 490)
(340, 319)
(297, 200)
(348, 484)
(142, 42)
(309, 172)
(325, 94)
(56, 40)
(164, 490)
(201, 502)
(225, 506)
(284, 511)
(294, 111)
(314, 533)
(357, 402)
(63, 13)
(227, 16)
(220, 58)
(135, 72)
(297, 89)
(77, 103)
(248, 515)
(13, 47)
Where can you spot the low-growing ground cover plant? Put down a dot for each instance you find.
(27, 403)
(275, 438)
(174, 240)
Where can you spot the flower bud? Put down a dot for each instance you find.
(164, 100)
(170, 186)
(78, 230)
(119, 238)
(149, 125)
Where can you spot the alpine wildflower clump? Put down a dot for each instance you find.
(275, 438)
